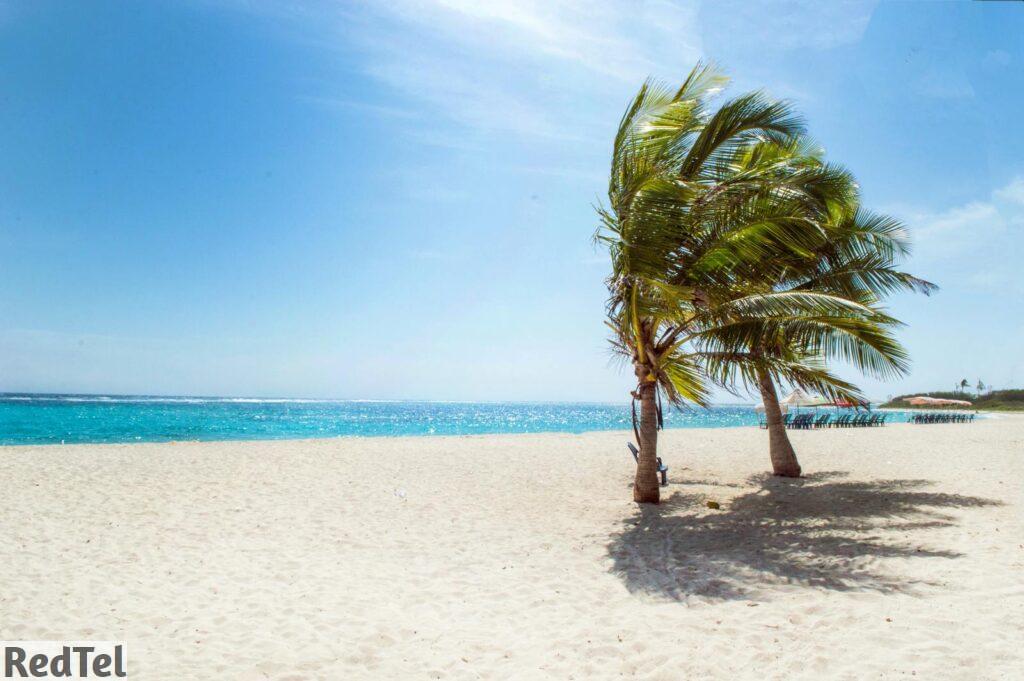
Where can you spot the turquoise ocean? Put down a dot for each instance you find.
(49, 419)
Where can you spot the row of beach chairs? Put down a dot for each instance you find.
(811, 421)
(952, 417)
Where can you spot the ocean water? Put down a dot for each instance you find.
(47, 419)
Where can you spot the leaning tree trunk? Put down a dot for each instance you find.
(784, 461)
(646, 489)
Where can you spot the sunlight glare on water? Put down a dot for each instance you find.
(44, 419)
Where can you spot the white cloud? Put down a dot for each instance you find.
(972, 244)
(1012, 193)
(463, 95)
(528, 67)
(974, 217)
(522, 67)
(966, 227)
(541, 69)
(611, 38)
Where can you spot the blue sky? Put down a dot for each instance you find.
(393, 200)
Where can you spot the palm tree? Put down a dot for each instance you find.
(843, 280)
(980, 387)
(963, 385)
(695, 214)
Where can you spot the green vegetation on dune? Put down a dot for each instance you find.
(997, 400)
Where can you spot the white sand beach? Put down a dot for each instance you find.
(900, 554)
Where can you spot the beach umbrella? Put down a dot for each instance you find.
(925, 401)
(799, 398)
(953, 403)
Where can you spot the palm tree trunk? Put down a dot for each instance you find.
(645, 488)
(783, 457)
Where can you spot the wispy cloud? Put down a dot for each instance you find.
(540, 69)
(972, 240)
(522, 67)
(531, 68)
(534, 74)
(964, 228)
(1011, 193)
(608, 38)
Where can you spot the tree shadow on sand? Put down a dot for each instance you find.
(819, 531)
